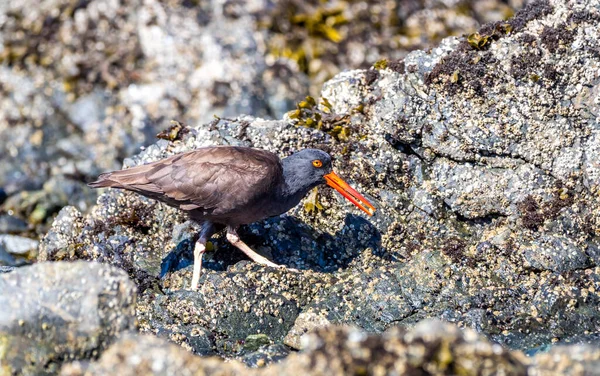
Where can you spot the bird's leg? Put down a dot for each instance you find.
(199, 249)
(234, 239)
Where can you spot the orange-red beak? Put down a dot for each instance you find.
(350, 193)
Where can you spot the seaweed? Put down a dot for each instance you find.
(380, 64)
(556, 38)
(455, 249)
(459, 71)
(531, 216)
(531, 11)
(465, 68)
(526, 64)
(371, 76)
(175, 132)
(308, 114)
(582, 16)
(527, 38)
(397, 66)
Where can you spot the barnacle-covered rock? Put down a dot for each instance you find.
(481, 161)
(54, 312)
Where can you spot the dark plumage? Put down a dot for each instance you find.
(231, 186)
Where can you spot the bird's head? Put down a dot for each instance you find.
(309, 168)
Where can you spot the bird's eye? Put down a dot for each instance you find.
(317, 163)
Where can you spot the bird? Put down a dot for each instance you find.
(228, 186)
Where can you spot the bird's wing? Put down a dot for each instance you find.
(212, 179)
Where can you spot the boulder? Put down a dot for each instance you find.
(51, 313)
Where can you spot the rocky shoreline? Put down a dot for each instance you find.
(481, 157)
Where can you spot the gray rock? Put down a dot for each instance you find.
(557, 254)
(3, 195)
(6, 269)
(431, 347)
(476, 159)
(567, 360)
(145, 355)
(265, 355)
(54, 312)
(12, 225)
(372, 301)
(7, 261)
(233, 306)
(57, 244)
(18, 245)
(306, 322)
(40, 206)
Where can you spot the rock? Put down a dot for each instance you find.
(306, 322)
(7, 261)
(145, 354)
(254, 341)
(480, 156)
(431, 347)
(5, 268)
(58, 243)
(18, 245)
(372, 300)
(12, 225)
(264, 355)
(41, 205)
(567, 360)
(54, 312)
(235, 307)
(556, 253)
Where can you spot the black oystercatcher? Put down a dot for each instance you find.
(227, 186)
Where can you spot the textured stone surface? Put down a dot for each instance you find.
(56, 312)
(567, 360)
(18, 245)
(306, 322)
(431, 348)
(85, 84)
(245, 300)
(148, 355)
(481, 162)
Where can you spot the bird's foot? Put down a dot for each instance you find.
(288, 269)
(234, 239)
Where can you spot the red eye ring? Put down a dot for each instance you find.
(317, 163)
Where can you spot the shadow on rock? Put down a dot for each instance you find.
(286, 240)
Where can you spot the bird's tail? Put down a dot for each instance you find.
(132, 178)
(104, 180)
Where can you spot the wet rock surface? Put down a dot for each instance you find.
(18, 245)
(85, 84)
(567, 360)
(431, 348)
(148, 355)
(484, 183)
(51, 313)
(480, 155)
